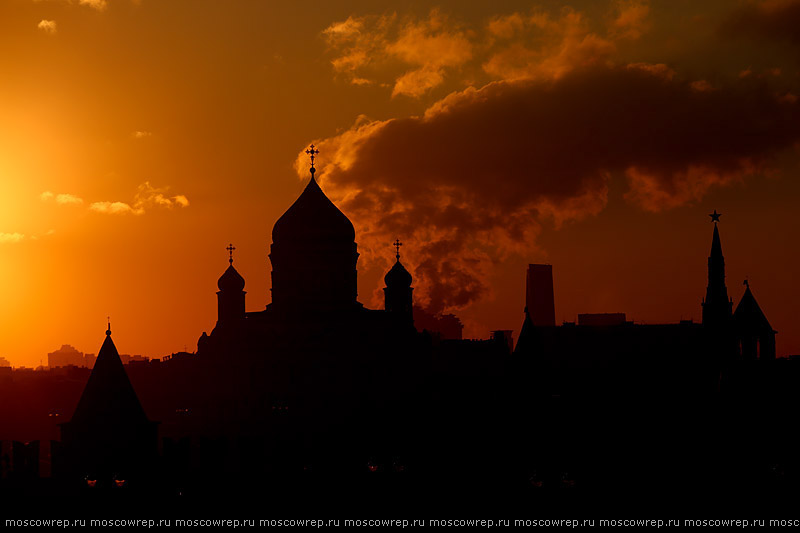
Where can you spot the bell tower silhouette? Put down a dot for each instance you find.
(230, 297)
(398, 290)
(717, 307)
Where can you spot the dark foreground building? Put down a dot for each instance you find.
(109, 442)
(659, 407)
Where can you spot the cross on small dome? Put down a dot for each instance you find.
(397, 244)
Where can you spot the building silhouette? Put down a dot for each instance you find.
(723, 334)
(315, 381)
(756, 338)
(445, 326)
(539, 299)
(67, 355)
(606, 375)
(398, 291)
(109, 440)
(717, 307)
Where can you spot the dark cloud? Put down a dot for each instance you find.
(477, 175)
(774, 20)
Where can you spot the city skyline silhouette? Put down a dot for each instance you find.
(364, 253)
(317, 391)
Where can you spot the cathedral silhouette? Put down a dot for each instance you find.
(317, 395)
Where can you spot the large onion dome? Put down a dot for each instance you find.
(313, 217)
(313, 255)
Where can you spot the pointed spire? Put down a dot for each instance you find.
(754, 331)
(717, 307)
(716, 244)
(748, 312)
(108, 397)
(748, 308)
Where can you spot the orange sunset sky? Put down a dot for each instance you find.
(139, 138)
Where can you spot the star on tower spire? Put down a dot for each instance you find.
(715, 216)
(312, 152)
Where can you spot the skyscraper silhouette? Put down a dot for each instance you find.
(539, 298)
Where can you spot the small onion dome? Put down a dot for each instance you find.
(398, 276)
(230, 280)
(313, 218)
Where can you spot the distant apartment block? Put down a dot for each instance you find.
(67, 355)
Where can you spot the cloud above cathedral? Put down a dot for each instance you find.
(769, 20)
(15, 237)
(416, 55)
(428, 47)
(147, 197)
(483, 169)
(61, 199)
(48, 26)
(99, 5)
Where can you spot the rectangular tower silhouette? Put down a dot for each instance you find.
(539, 299)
